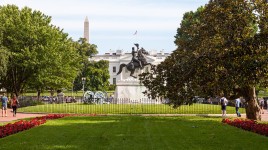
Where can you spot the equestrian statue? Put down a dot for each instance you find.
(138, 61)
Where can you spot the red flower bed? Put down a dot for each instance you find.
(21, 125)
(249, 125)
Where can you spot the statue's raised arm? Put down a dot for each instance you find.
(137, 45)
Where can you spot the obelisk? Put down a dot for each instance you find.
(86, 30)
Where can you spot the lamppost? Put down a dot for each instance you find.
(83, 82)
(73, 89)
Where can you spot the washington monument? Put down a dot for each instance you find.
(86, 30)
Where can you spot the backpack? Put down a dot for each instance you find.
(222, 102)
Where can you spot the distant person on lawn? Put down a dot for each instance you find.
(261, 103)
(4, 105)
(223, 102)
(267, 104)
(14, 104)
(237, 105)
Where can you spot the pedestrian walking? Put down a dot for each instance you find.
(237, 105)
(4, 100)
(261, 103)
(267, 105)
(14, 104)
(223, 102)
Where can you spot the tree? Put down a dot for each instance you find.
(3, 62)
(98, 76)
(38, 50)
(3, 57)
(96, 73)
(62, 68)
(85, 51)
(222, 50)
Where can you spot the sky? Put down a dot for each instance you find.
(113, 23)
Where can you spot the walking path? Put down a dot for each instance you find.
(263, 116)
(20, 116)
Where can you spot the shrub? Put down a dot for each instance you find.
(22, 125)
(249, 125)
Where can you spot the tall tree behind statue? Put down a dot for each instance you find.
(222, 49)
(96, 72)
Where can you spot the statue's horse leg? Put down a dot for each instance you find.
(132, 72)
(120, 68)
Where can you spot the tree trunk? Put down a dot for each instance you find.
(52, 92)
(252, 107)
(38, 94)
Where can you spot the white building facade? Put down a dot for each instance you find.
(118, 57)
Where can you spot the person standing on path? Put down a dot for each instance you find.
(267, 105)
(4, 100)
(223, 102)
(14, 104)
(237, 105)
(261, 103)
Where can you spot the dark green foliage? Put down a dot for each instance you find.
(96, 73)
(3, 61)
(41, 54)
(222, 50)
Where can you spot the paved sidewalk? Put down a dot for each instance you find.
(20, 116)
(263, 116)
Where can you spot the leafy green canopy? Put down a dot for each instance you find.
(3, 61)
(96, 73)
(222, 47)
(40, 53)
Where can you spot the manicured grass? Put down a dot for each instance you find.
(128, 109)
(66, 93)
(135, 133)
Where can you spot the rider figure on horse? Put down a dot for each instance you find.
(138, 57)
(134, 56)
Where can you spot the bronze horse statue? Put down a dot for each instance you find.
(133, 65)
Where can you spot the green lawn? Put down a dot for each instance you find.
(135, 133)
(66, 93)
(128, 109)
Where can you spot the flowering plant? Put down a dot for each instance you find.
(12, 128)
(249, 125)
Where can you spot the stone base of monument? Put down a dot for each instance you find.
(129, 91)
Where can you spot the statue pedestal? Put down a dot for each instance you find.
(129, 91)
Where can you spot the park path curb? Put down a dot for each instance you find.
(19, 116)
